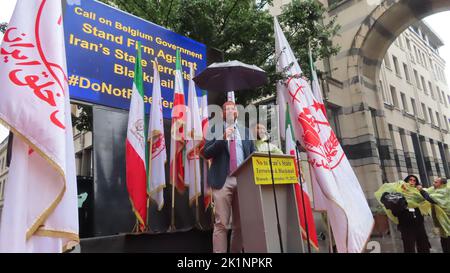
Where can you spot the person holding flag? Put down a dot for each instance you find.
(157, 144)
(40, 212)
(136, 146)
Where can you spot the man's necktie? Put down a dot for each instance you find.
(233, 159)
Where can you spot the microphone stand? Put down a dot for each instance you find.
(303, 196)
(274, 194)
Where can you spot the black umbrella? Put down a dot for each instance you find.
(230, 76)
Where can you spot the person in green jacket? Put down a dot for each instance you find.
(410, 220)
(439, 197)
(261, 143)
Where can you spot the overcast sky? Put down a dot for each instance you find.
(439, 22)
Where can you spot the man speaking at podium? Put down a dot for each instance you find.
(227, 154)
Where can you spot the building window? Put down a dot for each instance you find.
(423, 85)
(424, 111)
(437, 72)
(420, 57)
(400, 41)
(1, 189)
(417, 56)
(443, 98)
(431, 90)
(430, 113)
(335, 3)
(408, 44)
(424, 60)
(414, 106)
(446, 122)
(385, 96)
(333, 114)
(438, 118)
(387, 63)
(394, 96)
(416, 75)
(396, 67)
(405, 68)
(405, 104)
(439, 93)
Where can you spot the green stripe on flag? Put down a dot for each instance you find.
(178, 67)
(138, 79)
(288, 121)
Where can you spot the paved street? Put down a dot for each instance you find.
(394, 245)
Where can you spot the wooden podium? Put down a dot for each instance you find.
(257, 204)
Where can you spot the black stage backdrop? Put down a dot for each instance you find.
(112, 213)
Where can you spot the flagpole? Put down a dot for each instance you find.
(149, 176)
(275, 195)
(303, 198)
(172, 222)
(197, 213)
(329, 234)
(301, 235)
(310, 59)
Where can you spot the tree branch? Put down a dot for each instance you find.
(225, 21)
(168, 13)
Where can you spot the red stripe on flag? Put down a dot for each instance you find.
(309, 217)
(136, 184)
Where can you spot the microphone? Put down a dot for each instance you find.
(299, 146)
(268, 137)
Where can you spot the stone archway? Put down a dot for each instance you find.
(381, 27)
(368, 30)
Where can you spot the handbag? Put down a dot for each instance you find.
(394, 201)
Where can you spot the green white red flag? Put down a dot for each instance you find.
(136, 167)
(177, 144)
(194, 137)
(207, 192)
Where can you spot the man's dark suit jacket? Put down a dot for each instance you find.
(217, 150)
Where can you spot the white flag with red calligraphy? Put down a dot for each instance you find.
(40, 211)
(207, 191)
(158, 153)
(194, 137)
(346, 205)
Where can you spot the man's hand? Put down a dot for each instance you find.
(228, 132)
(419, 187)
